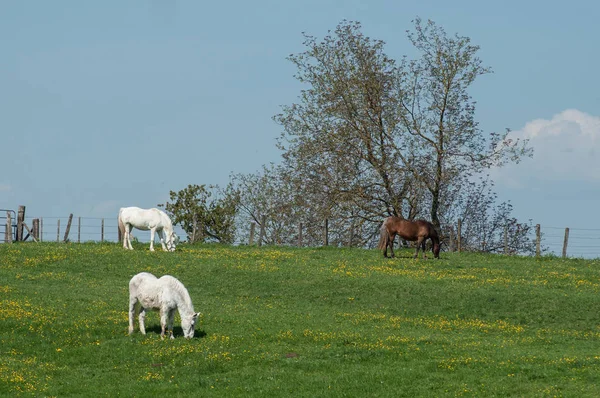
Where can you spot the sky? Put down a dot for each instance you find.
(111, 104)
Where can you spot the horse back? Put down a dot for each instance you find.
(410, 230)
(144, 288)
(143, 219)
(141, 278)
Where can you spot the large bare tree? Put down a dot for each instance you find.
(342, 135)
(387, 137)
(445, 146)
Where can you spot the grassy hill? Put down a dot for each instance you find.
(300, 322)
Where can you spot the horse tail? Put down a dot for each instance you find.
(384, 236)
(121, 225)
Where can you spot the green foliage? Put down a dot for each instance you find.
(202, 217)
(303, 322)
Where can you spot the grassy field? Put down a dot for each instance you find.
(300, 322)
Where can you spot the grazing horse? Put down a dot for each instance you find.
(418, 231)
(166, 295)
(154, 220)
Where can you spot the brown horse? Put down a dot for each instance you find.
(418, 231)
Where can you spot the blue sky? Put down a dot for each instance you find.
(110, 104)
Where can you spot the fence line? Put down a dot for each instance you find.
(579, 241)
(90, 229)
(568, 242)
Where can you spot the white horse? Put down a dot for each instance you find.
(154, 220)
(166, 295)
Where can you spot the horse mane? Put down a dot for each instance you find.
(432, 231)
(176, 285)
(166, 220)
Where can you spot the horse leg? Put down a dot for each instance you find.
(171, 317)
(132, 303)
(142, 318)
(161, 235)
(152, 239)
(128, 229)
(419, 243)
(423, 246)
(385, 248)
(390, 243)
(164, 319)
(125, 236)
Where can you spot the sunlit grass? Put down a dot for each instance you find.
(281, 321)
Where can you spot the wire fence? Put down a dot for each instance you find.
(88, 229)
(580, 242)
(8, 219)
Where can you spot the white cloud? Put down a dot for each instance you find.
(566, 148)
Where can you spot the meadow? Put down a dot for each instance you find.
(306, 322)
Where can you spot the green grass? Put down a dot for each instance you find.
(300, 322)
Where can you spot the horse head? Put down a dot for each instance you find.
(188, 324)
(172, 240)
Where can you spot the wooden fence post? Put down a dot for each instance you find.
(326, 233)
(451, 246)
(35, 229)
(58, 231)
(41, 229)
(68, 229)
(102, 231)
(8, 230)
(300, 235)
(251, 240)
(565, 243)
(78, 229)
(458, 234)
(29, 233)
(263, 222)
(538, 240)
(20, 220)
